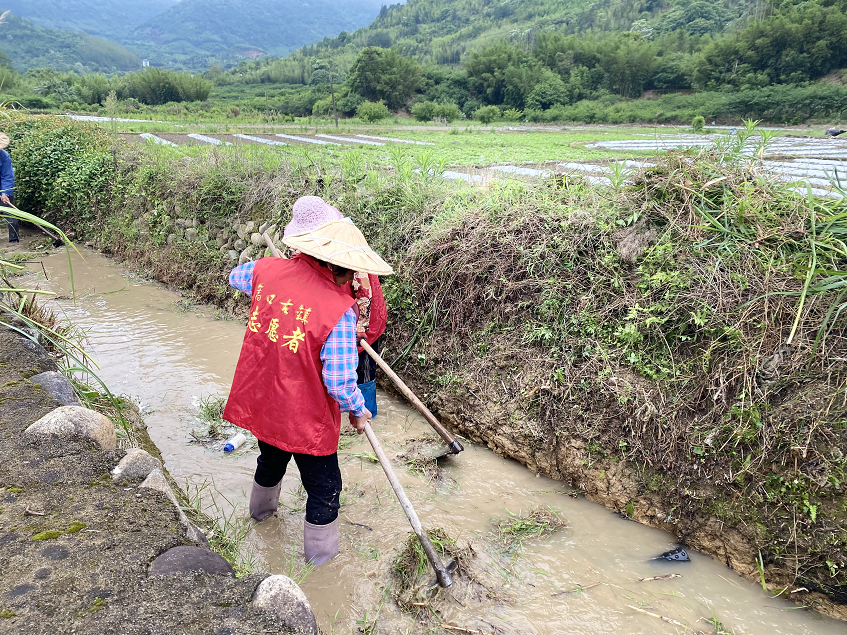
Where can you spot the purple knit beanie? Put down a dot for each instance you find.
(310, 212)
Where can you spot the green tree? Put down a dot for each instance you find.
(551, 90)
(372, 111)
(503, 74)
(800, 42)
(487, 114)
(383, 75)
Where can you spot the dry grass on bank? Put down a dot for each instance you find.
(686, 329)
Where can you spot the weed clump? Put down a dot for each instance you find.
(514, 531)
(411, 569)
(419, 456)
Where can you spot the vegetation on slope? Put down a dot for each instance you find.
(673, 346)
(103, 18)
(30, 46)
(227, 28)
(535, 58)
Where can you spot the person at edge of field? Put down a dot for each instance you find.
(7, 187)
(297, 371)
(310, 212)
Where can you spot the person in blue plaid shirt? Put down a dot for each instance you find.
(297, 370)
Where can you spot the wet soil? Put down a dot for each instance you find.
(584, 579)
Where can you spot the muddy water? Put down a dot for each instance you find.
(153, 350)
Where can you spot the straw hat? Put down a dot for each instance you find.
(4, 140)
(341, 243)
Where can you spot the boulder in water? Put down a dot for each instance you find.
(280, 595)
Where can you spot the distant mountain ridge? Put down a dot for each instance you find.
(30, 46)
(277, 27)
(191, 34)
(113, 19)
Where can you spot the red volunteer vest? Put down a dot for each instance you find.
(278, 392)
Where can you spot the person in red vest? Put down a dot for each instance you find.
(310, 212)
(297, 371)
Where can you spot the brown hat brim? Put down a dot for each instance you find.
(341, 243)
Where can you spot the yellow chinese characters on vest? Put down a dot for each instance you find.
(286, 323)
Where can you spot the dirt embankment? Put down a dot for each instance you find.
(77, 548)
(675, 346)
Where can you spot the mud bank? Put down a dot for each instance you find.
(84, 554)
(602, 337)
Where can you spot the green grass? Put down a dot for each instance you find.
(227, 530)
(210, 410)
(513, 532)
(469, 146)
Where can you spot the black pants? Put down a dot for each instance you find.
(320, 475)
(13, 225)
(366, 370)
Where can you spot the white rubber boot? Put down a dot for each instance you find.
(320, 542)
(264, 501)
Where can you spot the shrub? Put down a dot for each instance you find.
(471, 106)
(322, 107)
(424, 111)
(448, 111)
(513, 114)
(429, 110)
(349, 103)
(487, 114)
(697, 123)
(155, 86)
(372, 111)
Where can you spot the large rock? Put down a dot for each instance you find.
(245, 256)
(190, 234)
(156, 480)
(135, 466)
(67, 421)
(257, 239)
(37, 353)
(239, 244)
(57, 386)
(180, 560)
(281, 595)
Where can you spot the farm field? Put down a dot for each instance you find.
(476, 155)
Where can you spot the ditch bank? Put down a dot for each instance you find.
(672, 347)
(86, 550)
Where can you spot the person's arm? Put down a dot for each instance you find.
(7, 177)
(340, 359)
(241, 277)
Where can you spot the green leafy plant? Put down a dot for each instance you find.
(372, 111)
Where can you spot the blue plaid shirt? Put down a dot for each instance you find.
(339, 354)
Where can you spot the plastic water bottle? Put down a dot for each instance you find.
(235, 442)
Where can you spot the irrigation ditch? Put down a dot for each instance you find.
(672, 346)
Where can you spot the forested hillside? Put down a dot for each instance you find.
(30, 46)
(537, 58)
(251, 27)
(444, 32)
(104, 18)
